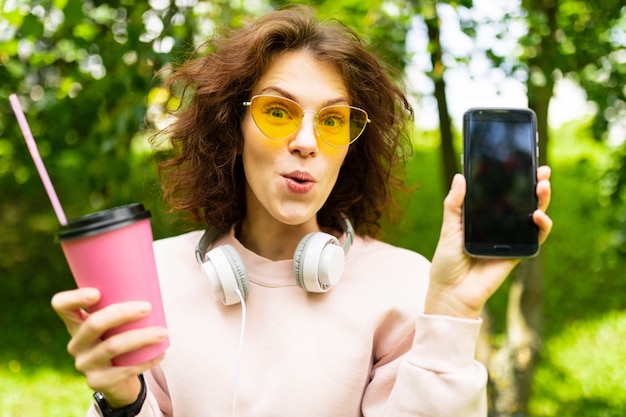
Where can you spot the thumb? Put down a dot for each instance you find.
(453, 203)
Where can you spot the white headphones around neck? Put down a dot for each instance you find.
(317, 263)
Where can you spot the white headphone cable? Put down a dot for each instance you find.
(240, 351)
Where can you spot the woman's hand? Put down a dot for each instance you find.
(93, 355)
(459, 284)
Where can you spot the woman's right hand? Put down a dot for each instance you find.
(93, 355)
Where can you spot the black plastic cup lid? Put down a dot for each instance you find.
(103, 221)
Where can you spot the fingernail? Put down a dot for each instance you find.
(143, 307)
(161, 333)
(90, 295)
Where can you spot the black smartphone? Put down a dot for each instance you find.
(500, 147)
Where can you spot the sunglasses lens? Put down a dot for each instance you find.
(275, 116)
(341, 125)
(333, 125)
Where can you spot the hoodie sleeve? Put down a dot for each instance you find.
(439, 376)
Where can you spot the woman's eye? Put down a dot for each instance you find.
(332, 121)
(278, 113)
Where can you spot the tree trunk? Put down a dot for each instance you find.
(511, 367)
(449, 159)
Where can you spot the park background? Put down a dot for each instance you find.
(85, 74)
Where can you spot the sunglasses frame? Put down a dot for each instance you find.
(302, 111)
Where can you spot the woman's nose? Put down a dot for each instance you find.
(304, 140)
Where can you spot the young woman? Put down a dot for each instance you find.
(284, 147)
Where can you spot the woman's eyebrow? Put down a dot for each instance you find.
(278, 90)
(290, 96)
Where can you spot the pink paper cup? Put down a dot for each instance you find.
(111, 250)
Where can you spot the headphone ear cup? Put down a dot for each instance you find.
(298, 256)
(318, 262)
(239, 269)
(226, 274)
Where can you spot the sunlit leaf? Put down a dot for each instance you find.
(15, 68)
(85, 31)
(158, 96)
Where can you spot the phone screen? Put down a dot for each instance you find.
(500, 165)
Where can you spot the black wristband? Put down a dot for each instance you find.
(130, 410)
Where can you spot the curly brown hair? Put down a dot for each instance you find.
(204, 175)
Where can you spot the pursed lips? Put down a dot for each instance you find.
(299, 181)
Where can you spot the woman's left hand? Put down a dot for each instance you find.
(459, 284)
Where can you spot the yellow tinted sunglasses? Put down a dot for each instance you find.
(279, 117)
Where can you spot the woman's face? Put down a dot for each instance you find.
(290, 179)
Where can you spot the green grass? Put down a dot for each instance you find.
(581, 370)
(42, 392)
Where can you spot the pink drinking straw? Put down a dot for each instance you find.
(34, 153)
